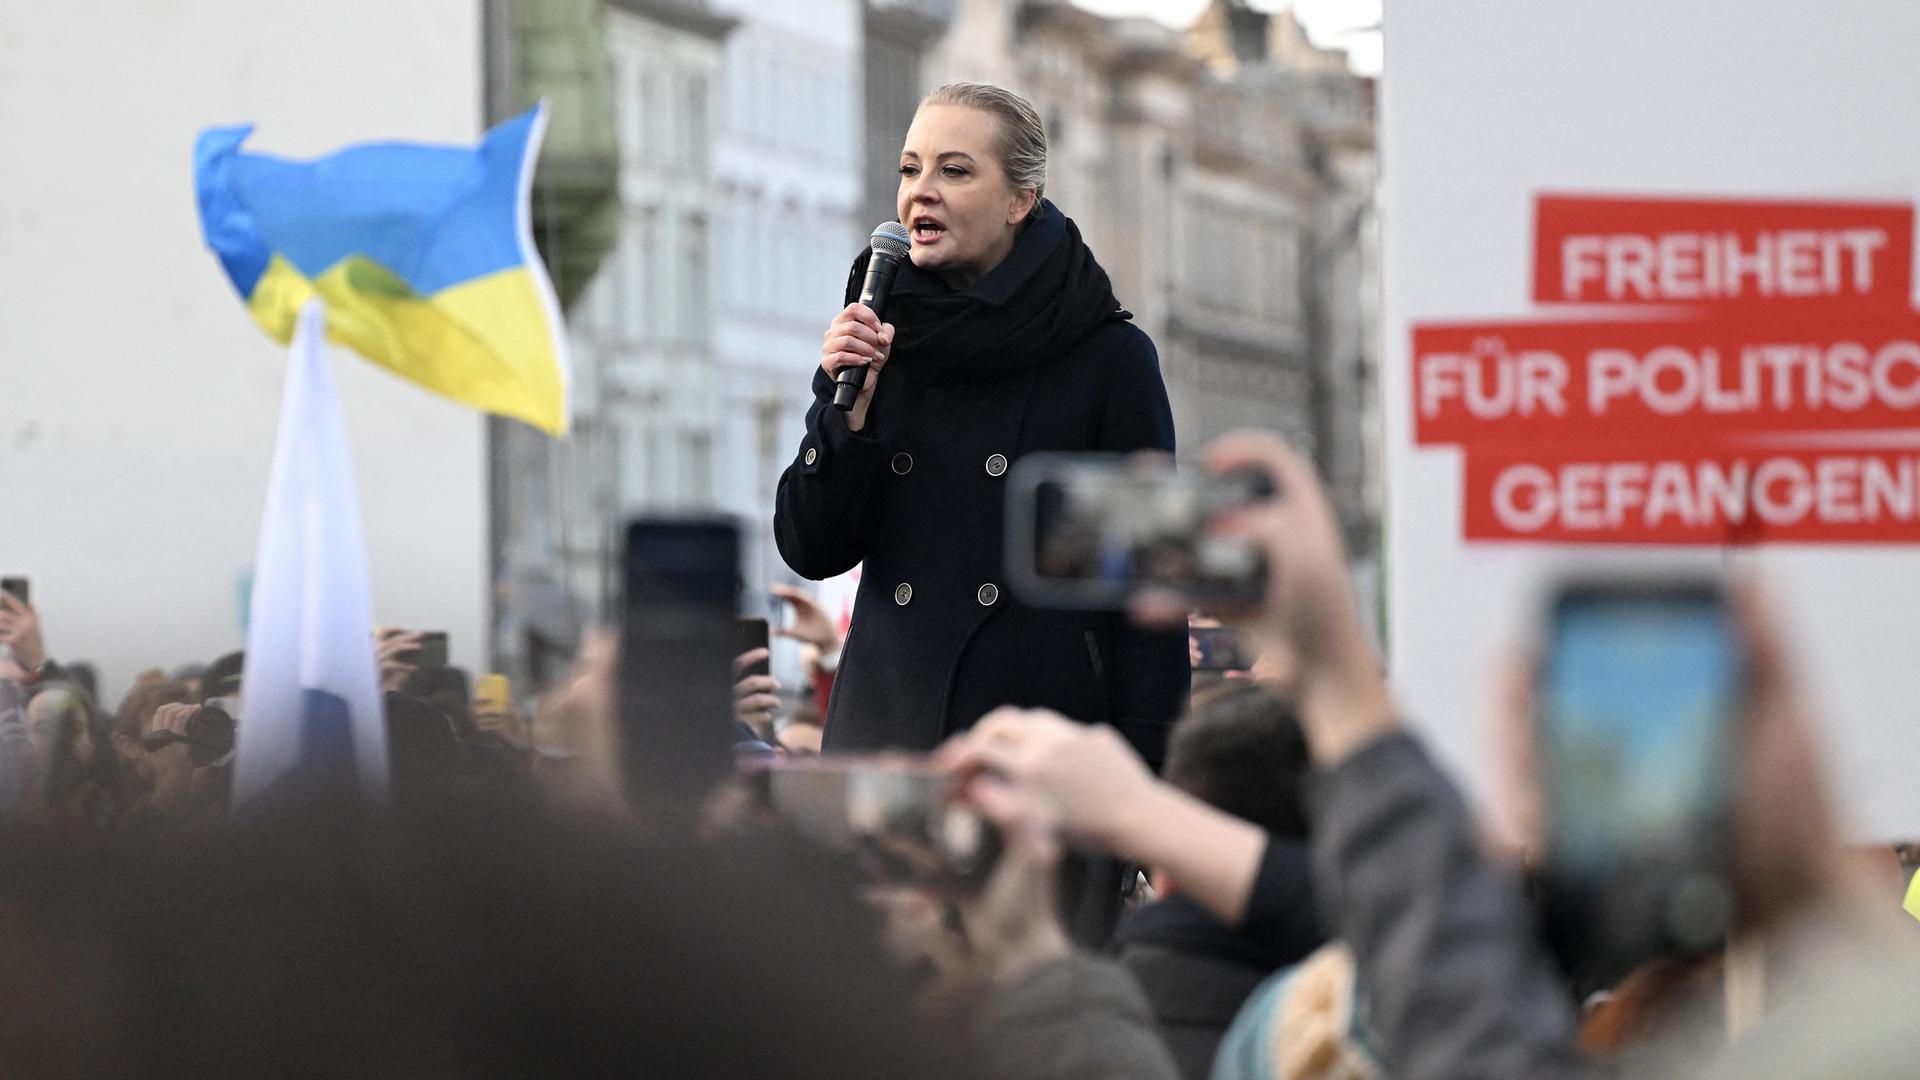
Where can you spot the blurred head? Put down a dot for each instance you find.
(483, 944)
(1240, 749)
(62, 748)
(424, 755)
(82, 675)
(444, 688)
(222, 677)
(60, 725)
(188, 675)
(972, 170)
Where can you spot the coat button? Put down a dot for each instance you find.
(989, 594)
(902, 463)
(996, 465)
(812, 455)
(902, 593)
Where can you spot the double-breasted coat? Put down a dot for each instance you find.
(918, 496)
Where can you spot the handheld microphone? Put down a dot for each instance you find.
(889, 244)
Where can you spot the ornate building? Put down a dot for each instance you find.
(1225, 178)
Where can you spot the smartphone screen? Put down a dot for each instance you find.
(677, 643)
(754, 635)
(432, 652)
(1092, 531)
(1218, 648)
(18, 587)
(1640, 691)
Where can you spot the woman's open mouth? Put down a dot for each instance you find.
(927, 230)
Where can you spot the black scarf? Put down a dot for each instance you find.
(1044, 298)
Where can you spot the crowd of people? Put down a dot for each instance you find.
(1313, 897)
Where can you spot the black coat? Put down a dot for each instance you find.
(1197, 972)
(918, 496)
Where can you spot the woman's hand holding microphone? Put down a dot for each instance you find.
(857, 338)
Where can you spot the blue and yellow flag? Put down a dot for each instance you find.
(422, 255)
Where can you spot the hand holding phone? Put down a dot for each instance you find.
(905, 816)
(1637, 704)
(432, 652)
(678, 638)
(811, 623)
(20, 627)
(1217, 649)
(1095, 531)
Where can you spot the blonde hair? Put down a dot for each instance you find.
(1021, 137)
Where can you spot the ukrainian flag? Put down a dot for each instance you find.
(422, 255)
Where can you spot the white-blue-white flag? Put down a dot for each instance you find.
(310, 714)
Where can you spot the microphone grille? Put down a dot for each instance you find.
(890, 239)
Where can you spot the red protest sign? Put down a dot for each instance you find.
(1779, 334)
(1507, 382)
(1608, 250)
(1692, 495)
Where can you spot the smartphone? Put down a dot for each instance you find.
(493, 692)
(678, 638)
(899, 813)
(1219, 649)
(754, 635)
(1638, 704)
(1091, 531)
(432, 652)
(17, 586)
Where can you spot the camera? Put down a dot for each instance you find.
(902, 816)
(1091, 531)
(209, 734)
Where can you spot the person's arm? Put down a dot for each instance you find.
(20, 633)
(1443, 942)
(824, 512)
(1049, 1012)
(1152, 674)
(1457, 984)
(1107, 799)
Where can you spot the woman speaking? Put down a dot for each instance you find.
(1004, 339)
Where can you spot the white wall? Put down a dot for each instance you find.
(138, 401)
(1487, 103)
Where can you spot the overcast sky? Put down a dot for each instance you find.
(1340, 24)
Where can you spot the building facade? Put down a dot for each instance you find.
(1225, 179)
(787, 165)
(1224, 176)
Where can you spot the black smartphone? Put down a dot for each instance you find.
(678, 638)
(17, 587)
(754, 635)
(432, 652)
(1638, 702)
(1218, 648)
(1091, 531)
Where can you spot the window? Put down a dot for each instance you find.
(694, 317)
(632, 282)
(647, 286)
(693, 130)
(602, 294)
(626, 104)
(644, 134)
(696, 472)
